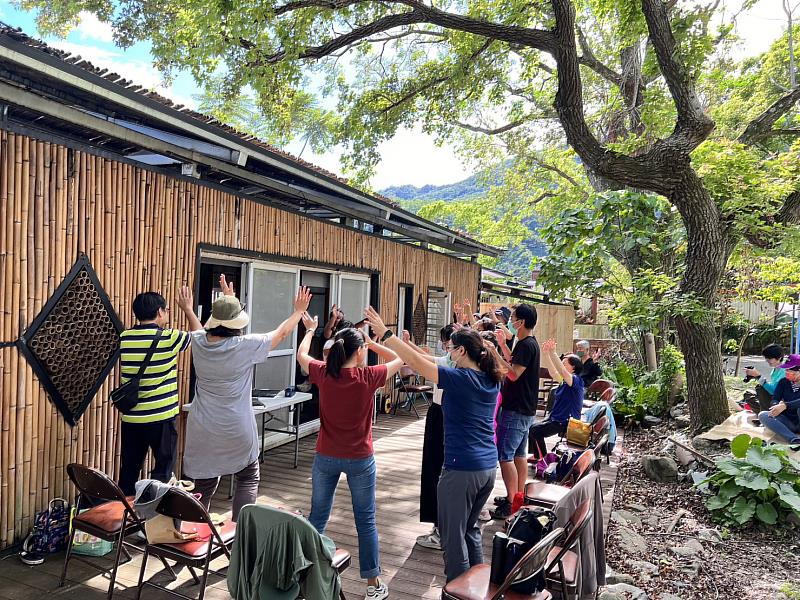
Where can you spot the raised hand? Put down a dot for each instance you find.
(375, 321)
(596, 354)
(501, 336)
(549, 345)
(227, 288)
(309, 322)
(184, 298)
(302, 300)
(406, 335)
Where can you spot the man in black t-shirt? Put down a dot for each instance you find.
(520, 394)
(591, 370)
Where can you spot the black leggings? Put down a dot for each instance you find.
(539, 432)
(432, 461)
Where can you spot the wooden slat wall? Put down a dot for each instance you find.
(141, 231)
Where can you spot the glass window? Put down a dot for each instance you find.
(353, 294)
(271, 301)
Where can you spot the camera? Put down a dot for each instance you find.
(749, 378)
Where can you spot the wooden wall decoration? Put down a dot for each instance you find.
(73, 343)
(420, 322)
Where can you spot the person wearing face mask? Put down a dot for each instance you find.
(568, 397)
(470, 456)
(591, 370)
(344, 445)
(783, 417)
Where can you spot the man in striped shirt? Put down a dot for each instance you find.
(151, 423)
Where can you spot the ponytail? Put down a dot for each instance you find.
(472, 343)
(345, 344)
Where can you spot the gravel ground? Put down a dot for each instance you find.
(754, 563)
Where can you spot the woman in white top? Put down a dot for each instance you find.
(221, 433)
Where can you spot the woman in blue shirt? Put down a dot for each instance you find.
(569, 397)
(470, 456)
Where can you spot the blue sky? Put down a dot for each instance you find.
(410, 158)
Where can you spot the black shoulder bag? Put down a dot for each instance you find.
(126, 397)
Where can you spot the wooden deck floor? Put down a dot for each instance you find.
(410, 571)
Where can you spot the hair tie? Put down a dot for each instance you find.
(483, 352)
(340, 341)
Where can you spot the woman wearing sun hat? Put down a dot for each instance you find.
(221, 434)
(783, 417)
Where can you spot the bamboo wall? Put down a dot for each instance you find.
(141, 231)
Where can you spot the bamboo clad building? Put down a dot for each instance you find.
(107, 190)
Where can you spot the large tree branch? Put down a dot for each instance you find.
(642, 172)
(693, 125)
(491, 131)
(761, 126)
(589, 59)
(348, 39)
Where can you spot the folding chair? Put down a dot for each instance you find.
(539, 493)
(601, 389)
(212, 543)
(563, 562)
(411, 390)
(476, 585)
(251, 532)
(546, 385)
(111, 521)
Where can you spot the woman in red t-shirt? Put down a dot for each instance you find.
(344, 445)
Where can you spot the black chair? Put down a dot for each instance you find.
(111, 521)
(563, 563)
(408, 384)
(212, 543)
(476, 585)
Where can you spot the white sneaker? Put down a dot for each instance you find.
(377, 592)
(430, 540)
(485, 515)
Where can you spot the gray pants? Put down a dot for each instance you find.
(245, 488)
(462, 495)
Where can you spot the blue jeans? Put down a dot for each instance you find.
(783, 425)
(512, 435)
(361, 479)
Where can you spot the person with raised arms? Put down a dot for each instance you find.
(470, 456)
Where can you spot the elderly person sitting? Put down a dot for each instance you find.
(591, 370)
(783, 418)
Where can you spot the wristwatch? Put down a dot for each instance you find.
(389, 333)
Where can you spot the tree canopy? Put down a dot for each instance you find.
(640, 94)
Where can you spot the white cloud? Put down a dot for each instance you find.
(92, 28)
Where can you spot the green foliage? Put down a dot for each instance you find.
(640, 392)
(791, 591)
(758, 482)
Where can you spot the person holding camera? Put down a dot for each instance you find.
(765, 388)
(783, 417)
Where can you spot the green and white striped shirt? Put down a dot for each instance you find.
(158, 387)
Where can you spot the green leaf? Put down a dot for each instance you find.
(729, 466)
(729, 489)
(766, 513)
(789, 496)
(717, 502)
(763, 459)
(740, 444)
(753, 480)
(742, 510)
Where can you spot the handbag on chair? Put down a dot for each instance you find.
(579, 432)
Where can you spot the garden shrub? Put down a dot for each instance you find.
(761, 482)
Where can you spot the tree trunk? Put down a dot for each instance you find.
(709, 244)
(706, 397)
